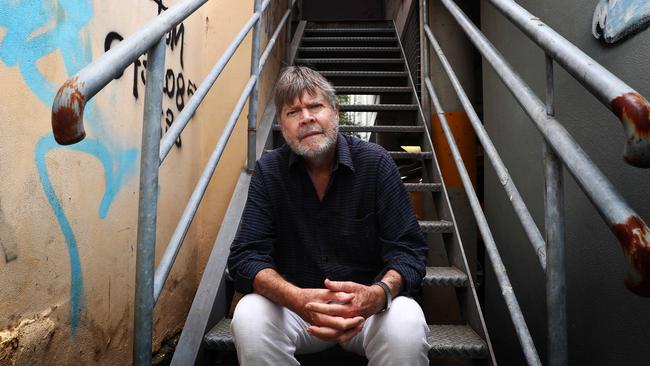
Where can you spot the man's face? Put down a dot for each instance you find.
(310, 125)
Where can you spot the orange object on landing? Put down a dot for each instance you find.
(466, 141)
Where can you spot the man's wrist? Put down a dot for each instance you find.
(387, 296)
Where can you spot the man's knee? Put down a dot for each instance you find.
(403, 328)
(253, 314)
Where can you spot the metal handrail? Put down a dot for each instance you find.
(630, 229)
(70, 100)
(626, 103)
(176, 241)
(526, 219)
(67, 125)
(560, 149)
(490, 246)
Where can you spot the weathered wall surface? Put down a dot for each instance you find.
(68, 215)
(608, 325)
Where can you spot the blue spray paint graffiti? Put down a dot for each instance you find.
(34, 29)
(615, 20)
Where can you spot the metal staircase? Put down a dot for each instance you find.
(367, 59)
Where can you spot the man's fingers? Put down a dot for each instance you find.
(342, 286)
(342, 310)
(333, 335)
(336, 322)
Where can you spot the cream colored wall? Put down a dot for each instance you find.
(68, 215)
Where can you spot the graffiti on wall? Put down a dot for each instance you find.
(35, 29)
(176, 87)
(616, 20)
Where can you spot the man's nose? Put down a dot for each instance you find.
(306, 115)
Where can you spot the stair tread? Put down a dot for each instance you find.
(410, 155)
(373, 128)
(305, 60)
(445, 340)
(455, 341)
(378, 107)
(423, 187)
(436, 226)
(360, 48)
(349, 39)
(342, 89)
(364, 73)
(445, 276)
(351, 29)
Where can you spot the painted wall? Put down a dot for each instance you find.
(68, 215)
(607, 324)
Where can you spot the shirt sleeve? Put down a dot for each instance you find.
(403, 246)
(251, 250)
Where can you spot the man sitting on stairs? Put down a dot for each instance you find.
(329, 250)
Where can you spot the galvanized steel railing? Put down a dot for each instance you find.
(67, 125)
(560, 149)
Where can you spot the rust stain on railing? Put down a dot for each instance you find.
(634, 112)
(633, 235)
(67, 113)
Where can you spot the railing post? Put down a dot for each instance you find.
(252, 103)
(148, 203)
(424, 14)
(288, 31)
(555, 252)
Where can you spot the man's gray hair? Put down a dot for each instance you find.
(294, 81)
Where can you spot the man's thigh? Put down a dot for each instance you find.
(403, 323)
(259, 322)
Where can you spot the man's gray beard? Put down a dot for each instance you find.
(320, 152)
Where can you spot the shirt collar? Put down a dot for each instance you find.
(343, 155)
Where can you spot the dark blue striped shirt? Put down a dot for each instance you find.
(364, 225)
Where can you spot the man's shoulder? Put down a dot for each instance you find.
(364, 149)
(274, 159)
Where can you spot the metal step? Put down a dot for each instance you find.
(349, 30)
(436, 227)
(371, 89)
(312, 61)
(369, 74)
(348, 49)
(445, 340)
(410, 155)
(445, 276)
(377, 107)
(349, 39)
(423, 187)
(455, 341)
(414, 129)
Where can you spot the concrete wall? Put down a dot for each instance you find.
(607, 324)
(68, 215)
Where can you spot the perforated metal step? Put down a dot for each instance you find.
(348, 49)
(369, 74)
(343, 89)
(423, 187)
(410, 155)
(303, 61)
(445, 340)
(445, 276)
(349, 39)
(321, 31)
(455, 341)
(377, 107)
(436, 227)
(413, 129)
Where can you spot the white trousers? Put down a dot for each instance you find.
(269, 334)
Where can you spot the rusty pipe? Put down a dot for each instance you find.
(70, 100)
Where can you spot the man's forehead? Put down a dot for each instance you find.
(307, 98)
